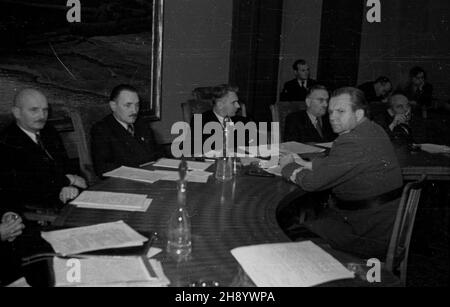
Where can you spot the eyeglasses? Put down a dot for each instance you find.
(321, 99)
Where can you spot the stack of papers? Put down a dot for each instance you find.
(326, 145)
(135, 174)
(21, 283)
(92, 238)
(112, 201)
(259, 151)
(192, 165)
(191, 176)
(285, 148)
(435, 149)
(301, 264)
(110, 272)
(299, 148)
(141, 175)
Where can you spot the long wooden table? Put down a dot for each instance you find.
(223, 215)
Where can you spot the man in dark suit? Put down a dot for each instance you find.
(312, 125)
(418, 91)
(38, 161)
(378, 90)
(396, 120)
(225, 104)
(122, 138)
(363, 174)
(297, 89)
(11, 227)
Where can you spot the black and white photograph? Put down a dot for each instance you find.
(239, 146)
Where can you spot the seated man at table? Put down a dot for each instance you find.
(297, 89)
(363, 174)
(312, 125)
(396, 120)
(378, 90)
(225, 104)
(123, 138)
(11, 227)
(37, 160)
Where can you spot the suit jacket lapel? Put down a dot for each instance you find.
(24, 140)
(123, 134)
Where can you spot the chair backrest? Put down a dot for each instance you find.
(202, 102)
(83, 118)
(282, 109)
(397, 255)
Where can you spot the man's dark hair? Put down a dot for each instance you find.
(222, 90)
(383, 80)
(417, 70)
(316, 87)
(298, 62)
(115, 93)
(357, 98)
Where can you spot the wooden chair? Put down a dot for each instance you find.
(398, 251)
(83, 118)
(202, 102)
(282, 109)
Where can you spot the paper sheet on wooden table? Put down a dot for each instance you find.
(326, 145)
(79, 240)
(112, 201)
(191, 176)
(192, 165)
(299, 148)
(110, 271)
(135, 174)
(301, 264)
(435, 149)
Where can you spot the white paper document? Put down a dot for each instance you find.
(21, 283)
(435, 149)
(112, 201)
(135, 174)
(92, 238)
(110, 271)
(192, 165)
(326, 145)
(191, 176)
(300, 264)
(259, 151)
(299, 148)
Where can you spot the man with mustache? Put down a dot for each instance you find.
(122, 138)
(37, 163)
(311, 126)
(363, 175)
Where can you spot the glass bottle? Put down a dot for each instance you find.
(224, 165)
(179, 244)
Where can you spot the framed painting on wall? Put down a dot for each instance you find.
(90, 51)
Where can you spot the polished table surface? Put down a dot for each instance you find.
(417, 163)
(228, 215)
(223, 215)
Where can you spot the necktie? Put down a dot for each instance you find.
(41, 145)
(130, 129)
(319, 127)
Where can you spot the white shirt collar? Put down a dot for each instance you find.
(30, 134)
(220, 118)
(312, 118)
(301, 82)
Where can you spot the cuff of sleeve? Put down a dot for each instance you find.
(289, 169)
